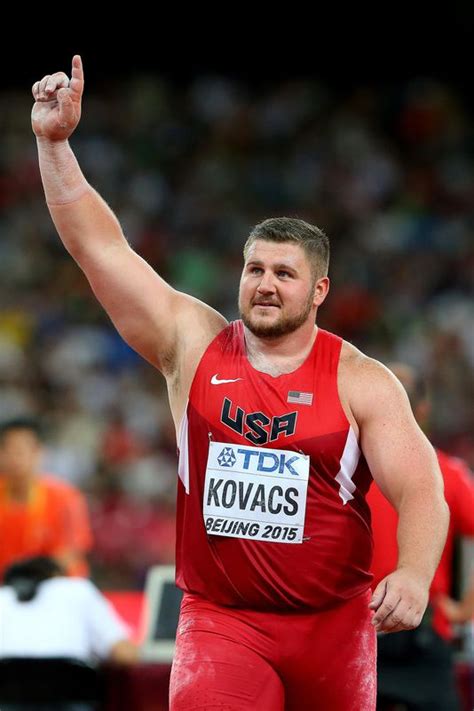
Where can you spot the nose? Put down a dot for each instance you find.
(266, 285)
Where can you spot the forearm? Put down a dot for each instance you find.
(63, 180)
(422, 528)
(124, 652)
(82, 218)
(466, 604)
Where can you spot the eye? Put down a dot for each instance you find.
(282, 273)
(255, 270)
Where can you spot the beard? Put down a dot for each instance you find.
(282, 327)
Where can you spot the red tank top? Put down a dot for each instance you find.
(231, 402)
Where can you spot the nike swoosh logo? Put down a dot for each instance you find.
(215, 380)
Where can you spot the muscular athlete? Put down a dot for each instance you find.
(285, 623)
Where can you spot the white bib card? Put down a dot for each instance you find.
(255, 493)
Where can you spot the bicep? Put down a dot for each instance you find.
(148, 313)
(399, 456)
(145, 309)
(136, 298)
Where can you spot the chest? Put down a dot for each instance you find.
(262, 410)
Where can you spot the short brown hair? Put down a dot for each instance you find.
(291, 229)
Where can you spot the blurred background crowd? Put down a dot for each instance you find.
(189, 168)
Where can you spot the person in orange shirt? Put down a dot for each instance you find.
(39, 514)
(417, 667)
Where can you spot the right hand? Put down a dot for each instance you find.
(399, 601)
(57, 108)
(457, 612)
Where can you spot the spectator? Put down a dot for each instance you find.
(39, 514)
(417, 667)
(45, 613)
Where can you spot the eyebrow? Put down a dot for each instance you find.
(280, 265)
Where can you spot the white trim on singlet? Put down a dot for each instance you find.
(349, 461)
(183, 461)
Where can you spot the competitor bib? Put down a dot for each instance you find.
(255, 493)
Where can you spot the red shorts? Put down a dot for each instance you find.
(233, 659)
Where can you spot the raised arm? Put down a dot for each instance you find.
(162, 324)
(404, 465)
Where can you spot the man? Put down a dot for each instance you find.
(39, 514)
(418, 667)
(281, 426)
(46, 613)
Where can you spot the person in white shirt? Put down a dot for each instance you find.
(43, 613)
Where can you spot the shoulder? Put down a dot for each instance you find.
(366, 384)
(191, 352)
(53, 482)
(190, 348)
(58, 486)
(199, 324)
(69, 587)
(356, 362)
(362, 370)
(7, 595)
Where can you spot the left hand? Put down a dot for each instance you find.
(399, 601)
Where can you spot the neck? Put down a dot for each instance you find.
(288, 345)
(20, 489)
(280, 355)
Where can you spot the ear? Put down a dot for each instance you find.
(321, 289)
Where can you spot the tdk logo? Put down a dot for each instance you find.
(254, 460)
(227, 457)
